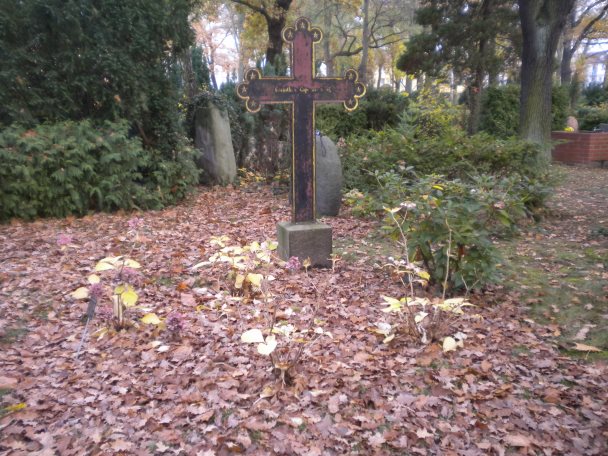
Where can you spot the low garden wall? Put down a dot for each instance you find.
(580, 147)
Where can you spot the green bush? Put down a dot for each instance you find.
(589, 117)
(380, 108)
(441, 219)
(454, 155)
(55, 170)
(89, 59)
(500, 110)
(595, 94)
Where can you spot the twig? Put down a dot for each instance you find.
(447, 266)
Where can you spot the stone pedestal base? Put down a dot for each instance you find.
(305, 240)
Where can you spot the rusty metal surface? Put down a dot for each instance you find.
(302, 91)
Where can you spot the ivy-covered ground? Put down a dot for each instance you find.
(195, 387)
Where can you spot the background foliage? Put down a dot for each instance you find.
(92, 62)
(64, 168)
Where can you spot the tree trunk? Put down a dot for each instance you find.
(364, 42)
(379, 76)
(606, 73)
(275, 25)
(542, 22)
(480, 71)
(329, 60)
(566, 64)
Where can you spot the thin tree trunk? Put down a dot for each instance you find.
(542, 22)
(379, 76)
(606, 73)
(364, 42)
(566, 64)
(477, 84)
(329, 60)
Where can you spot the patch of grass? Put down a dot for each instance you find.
(373, 248)
(13, 334)
(562, 284)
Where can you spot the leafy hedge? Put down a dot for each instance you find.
(500, 110)
(590, 117)
(380, 108)
(55, 170)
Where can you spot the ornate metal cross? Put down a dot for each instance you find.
(302, 91)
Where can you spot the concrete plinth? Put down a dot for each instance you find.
(305, 240)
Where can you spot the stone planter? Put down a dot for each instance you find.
(580, 147)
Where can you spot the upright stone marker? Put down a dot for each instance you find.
(303, 237)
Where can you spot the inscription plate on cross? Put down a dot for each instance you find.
(302, 91)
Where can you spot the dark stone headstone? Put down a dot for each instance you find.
(603, 127)
(328, 177)
(212, 138)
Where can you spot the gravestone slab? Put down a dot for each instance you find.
(328, 176)
(212, 138)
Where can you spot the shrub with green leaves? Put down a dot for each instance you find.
(379, 109)
(55, 170)
(595, 95)
(500, 110)
(453, 154)
(589, 117)
(449, 224)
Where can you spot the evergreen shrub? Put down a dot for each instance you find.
(500, 110)
(380, 108)
(66, 168)
(589, 117)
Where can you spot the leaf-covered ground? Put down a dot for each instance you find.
(145, 391)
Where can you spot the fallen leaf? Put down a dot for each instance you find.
(252, 336)
(449, 344)
(517, 440)
(7, 382)
(80, 293)
(586, 348)
(150, 319)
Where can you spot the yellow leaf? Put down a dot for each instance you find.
(255, 279)
(120, 289)
(266, 348)
(252, 336)
(424, 275)
(270, 245)
(449, 344)
(394, 304)
(437, 187)
(586, 348)
(93, 279)
(103, 266)
(132, 264)
(254, 246)
(238, 283)
(129, 298)
(306, 263)
(391, 301)
(393, 210)
(150, 319)
(16, 407)
(80, 293)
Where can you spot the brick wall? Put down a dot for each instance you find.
(581, 147)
